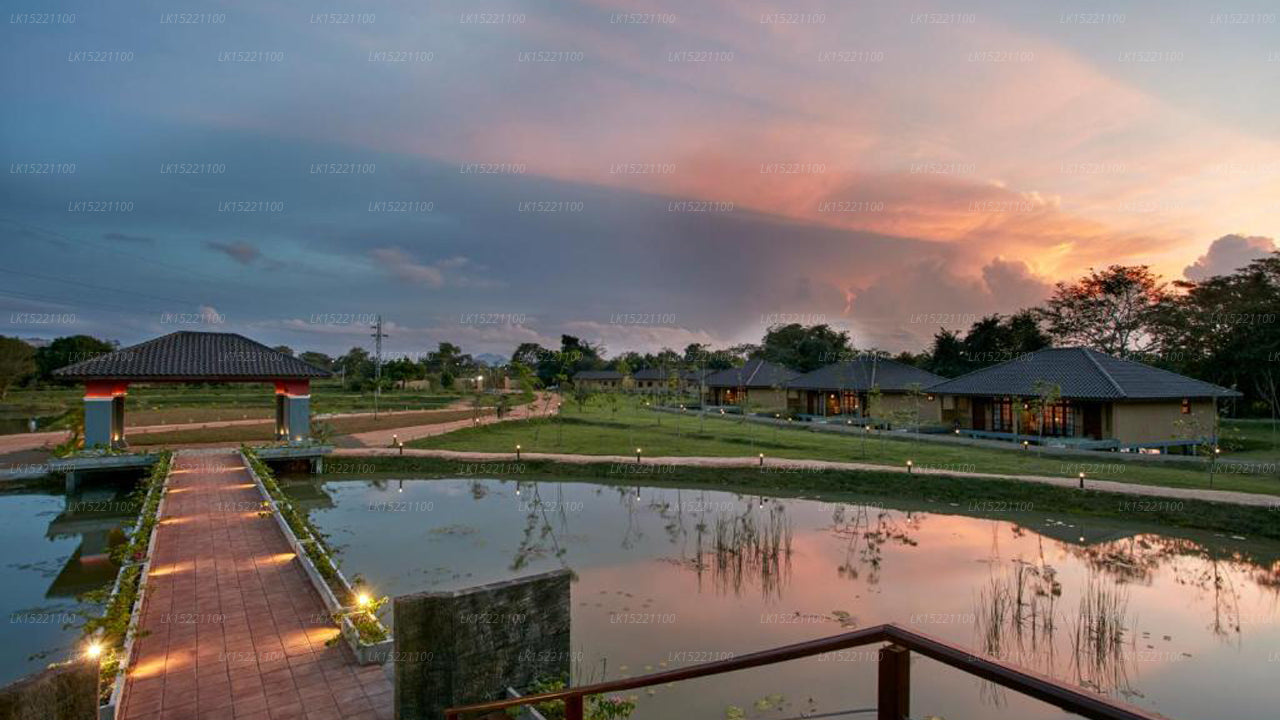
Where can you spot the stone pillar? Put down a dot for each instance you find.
(282, 431)
(299, 413)
(97, 422)
(293, 410)
(103, 417)
(467, 646)
(117, 422)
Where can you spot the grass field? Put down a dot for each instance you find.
(161, 404)
(264, 432)
(601, 430)
(328, 397)
(1253, 440)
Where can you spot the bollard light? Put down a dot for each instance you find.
(1025, 444)
(401, 445)
(1081, 481)
(910, 465)
(761, 459)
(401, 487)
(637, 455)
(517, 452)
(395, 439)
(93, 650)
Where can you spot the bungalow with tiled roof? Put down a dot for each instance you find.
(1093, 400)
(847, 389)
(655, 380)
(758, 383)
(601, 379)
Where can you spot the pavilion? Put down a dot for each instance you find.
(191, 357)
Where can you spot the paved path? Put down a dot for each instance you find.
(383, 438)
(232, 627)
(1225, 496)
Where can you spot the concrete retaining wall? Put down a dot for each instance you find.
(455, 648)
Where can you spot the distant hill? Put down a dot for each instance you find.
(491, 359)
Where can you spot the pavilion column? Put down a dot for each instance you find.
(282, 429)
(104, 413)
(297, 410)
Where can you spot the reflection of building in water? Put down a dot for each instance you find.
(96, 517)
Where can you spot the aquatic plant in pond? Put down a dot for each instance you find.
(748, 547)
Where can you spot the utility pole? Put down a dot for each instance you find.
(377, 364)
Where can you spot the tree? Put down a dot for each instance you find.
(319, 359)
(283, 349)
(1047, 394)
(1226, 330)
(68, 351)
(356, 367)
(1114, 311)
(17, 360)
(804, 348)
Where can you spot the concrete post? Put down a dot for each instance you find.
(456, 648)
(117, 422)
(98, 414)
(282, 431)
(298, 410)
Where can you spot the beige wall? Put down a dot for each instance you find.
(930, 410)
(1156, 421)
(761, 399)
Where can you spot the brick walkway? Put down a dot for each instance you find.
(232, 627)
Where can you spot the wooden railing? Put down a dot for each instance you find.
(894, 682)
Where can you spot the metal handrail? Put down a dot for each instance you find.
(893, 685)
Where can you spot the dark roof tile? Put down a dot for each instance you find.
(1083, 374)
(861, 374)
(187, 355)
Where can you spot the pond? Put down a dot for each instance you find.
(1184, 624)
(54, 550)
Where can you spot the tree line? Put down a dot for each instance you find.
(1224, 330)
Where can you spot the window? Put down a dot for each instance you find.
(1002, 415)
(1059, 420)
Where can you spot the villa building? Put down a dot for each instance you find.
(850, 389)
(601, 379)
(758, 383)
(655, 380)
(1093, 400)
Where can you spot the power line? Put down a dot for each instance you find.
(377, 364)
(91, 286)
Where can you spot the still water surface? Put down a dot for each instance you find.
(1184, 624)
(53, 550)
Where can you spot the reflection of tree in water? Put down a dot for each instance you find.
(866, 537)
(1217, 575)
(539, 539)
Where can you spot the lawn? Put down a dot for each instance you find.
(264, 432)
(600, 429)
(159, 404)
(1252, 440)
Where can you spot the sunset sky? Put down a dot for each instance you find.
(687, 173)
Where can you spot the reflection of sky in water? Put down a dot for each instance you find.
(47, 558)
(937, 574)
